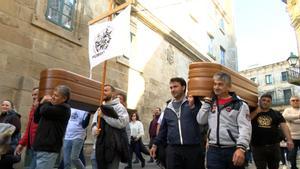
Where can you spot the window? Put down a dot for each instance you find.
(222, 55)
(253, 79)
(268, 79)
(284, 76)
(61, 12)
(222, 25)
(210, 44)
(287, 95)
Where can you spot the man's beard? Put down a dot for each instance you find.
(107, 98)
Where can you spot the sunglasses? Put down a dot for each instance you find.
(294, 100)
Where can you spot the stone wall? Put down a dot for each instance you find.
(29, 44)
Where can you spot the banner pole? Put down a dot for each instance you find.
(110, 5)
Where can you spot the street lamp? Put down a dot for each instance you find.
(293, 59)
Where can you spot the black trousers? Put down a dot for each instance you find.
(184, 157)
(266, 156)
(293, 154)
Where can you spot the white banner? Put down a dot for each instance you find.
(110, 39)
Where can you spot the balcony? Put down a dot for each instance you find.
(294, 75)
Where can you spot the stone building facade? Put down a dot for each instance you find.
(293, 8)
(273, 79)
(166, 37)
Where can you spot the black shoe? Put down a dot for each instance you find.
(150, 161)
(143, 164)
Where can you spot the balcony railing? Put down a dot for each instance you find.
(294, 75)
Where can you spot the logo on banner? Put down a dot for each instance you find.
(101, 41)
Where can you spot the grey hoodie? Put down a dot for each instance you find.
(229, 125)
(123, 119)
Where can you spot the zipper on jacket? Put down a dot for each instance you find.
(180, 134)
(218, 123)
(179, 124)
(178, 114)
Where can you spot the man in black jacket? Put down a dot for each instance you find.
(52, 115)
(181, 130)
(112, 140)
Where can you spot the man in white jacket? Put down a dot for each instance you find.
(292, 116)
(229, 124)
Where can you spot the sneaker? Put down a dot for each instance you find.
(284, 167)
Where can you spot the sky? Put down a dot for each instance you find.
(263, 31)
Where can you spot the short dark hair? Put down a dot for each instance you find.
(111, 87)
(267, 95)
(137, 116)
(158, 108)
(179, 80)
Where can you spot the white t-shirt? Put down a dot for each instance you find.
(74, 128)
(136, 129)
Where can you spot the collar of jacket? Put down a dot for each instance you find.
(170, 105)
(112, 102)
(232, 94)
(11, 112)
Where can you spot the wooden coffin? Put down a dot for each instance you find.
(85, 92)
(201, 82)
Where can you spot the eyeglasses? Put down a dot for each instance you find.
(294, 100)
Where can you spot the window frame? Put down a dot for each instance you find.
(253, 79)
(286, 76)
(39, 20)
(222, 56)
(270, 79)
(222, 25)
(210, 44)
(62, 4)
(287, 99)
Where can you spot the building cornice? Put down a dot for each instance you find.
(293, 9)
(146, 17)
(265, 66)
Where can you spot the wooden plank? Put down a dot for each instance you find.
(110, 12)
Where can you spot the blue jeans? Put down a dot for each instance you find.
(221, 158)
(72, 150)
(45, 159)
(93, 159)
(30, 159)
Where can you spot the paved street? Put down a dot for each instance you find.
(154, 166)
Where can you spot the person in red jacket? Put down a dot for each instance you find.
(29, 134)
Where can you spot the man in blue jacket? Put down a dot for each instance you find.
(179, 128)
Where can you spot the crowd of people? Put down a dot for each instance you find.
(191, 132)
